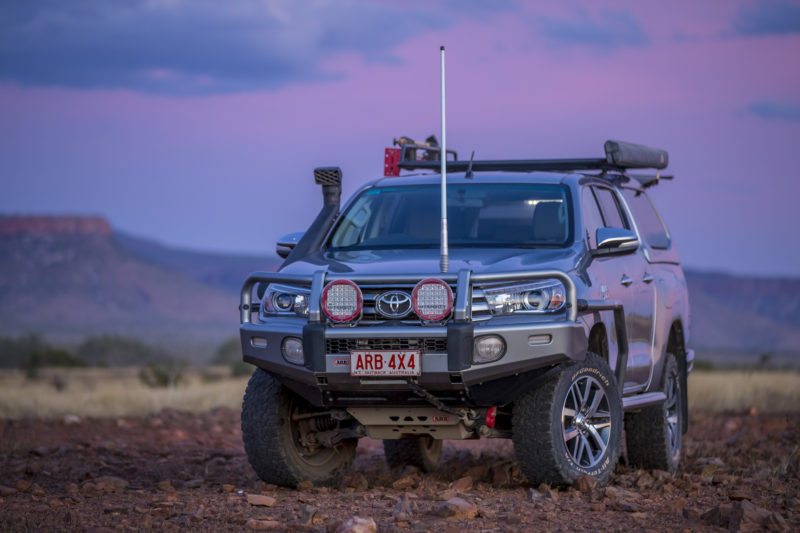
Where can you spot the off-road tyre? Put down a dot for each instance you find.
(271, 438)
(654, 434)
(550, 439)
(422, 452)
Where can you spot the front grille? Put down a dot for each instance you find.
(425, 345)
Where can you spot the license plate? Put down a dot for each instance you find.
(385, 363)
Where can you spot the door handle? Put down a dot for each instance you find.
(648, 278)
(625, 280)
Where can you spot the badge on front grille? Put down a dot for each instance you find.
(393, 304)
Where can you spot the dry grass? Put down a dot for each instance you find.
(725, 390)
(96, 392)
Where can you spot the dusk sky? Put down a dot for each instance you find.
(198, 123)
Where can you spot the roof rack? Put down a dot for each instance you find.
(620, 156)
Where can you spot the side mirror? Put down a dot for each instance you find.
(286, 244)
(616, 240)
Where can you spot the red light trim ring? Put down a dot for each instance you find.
(432, 318)
(359, 301)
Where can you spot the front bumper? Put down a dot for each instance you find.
(325, 378)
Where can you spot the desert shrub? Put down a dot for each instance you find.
(166, 373)
(703, 366)
(229, 354)
(32, 352)
(109, 350)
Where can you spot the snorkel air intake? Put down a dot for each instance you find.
(330, 178)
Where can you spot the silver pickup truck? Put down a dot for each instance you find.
(561, 321)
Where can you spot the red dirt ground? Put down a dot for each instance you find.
(180, 470)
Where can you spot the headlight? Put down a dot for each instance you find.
(284, 299)
(539, 297)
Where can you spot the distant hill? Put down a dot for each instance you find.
(744, 312)
(71, 277)
(223, 271)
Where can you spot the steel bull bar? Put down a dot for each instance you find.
(464, 280)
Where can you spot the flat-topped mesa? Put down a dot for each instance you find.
(48, 225)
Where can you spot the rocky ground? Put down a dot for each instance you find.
(179, 470)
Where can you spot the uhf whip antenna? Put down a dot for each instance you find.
(444, 260)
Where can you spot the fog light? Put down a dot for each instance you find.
(292, 349)
(488, 348)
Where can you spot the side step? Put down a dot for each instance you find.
(631, 403)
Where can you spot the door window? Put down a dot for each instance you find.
(609, 205)
(592, 219)
(647, 219)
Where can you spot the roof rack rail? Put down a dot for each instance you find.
(620, 156)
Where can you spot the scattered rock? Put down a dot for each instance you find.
(71, 420)
(586, 484)
(23, 485)
(718, 516)
(462, 485)
(739, 495)
(745, 516)
(534, 495)
(40, 451)
(358, 481)
(501, 475)
(661, 475)
(404, 510)
(447, 494)
(262, 525)
(36, 490)
(357, 524)
(164, 485)
(548, 492)
(110, 483)
(405, 482)
(194, 483)
(677, 506)
(261, 500)
(457, 509)
(711, 461)
(486, 512)
(226, 487)
(7, 491)
(307, 515)
(305, 485)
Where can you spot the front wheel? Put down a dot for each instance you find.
(278, 430)
(570, 426)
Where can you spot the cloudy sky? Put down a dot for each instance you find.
(198, 123)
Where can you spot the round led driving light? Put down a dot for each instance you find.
(292, 349)
(342, 300)
(488, 348)
(432, 299)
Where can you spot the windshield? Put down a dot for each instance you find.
(479, 215)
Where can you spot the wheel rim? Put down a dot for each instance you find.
(673, 414)
(586, 422)
(314, 457)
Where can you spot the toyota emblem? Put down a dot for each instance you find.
(393, 304)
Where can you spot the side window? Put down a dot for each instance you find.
(609, 205)
(592, 219)
(650, 225)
